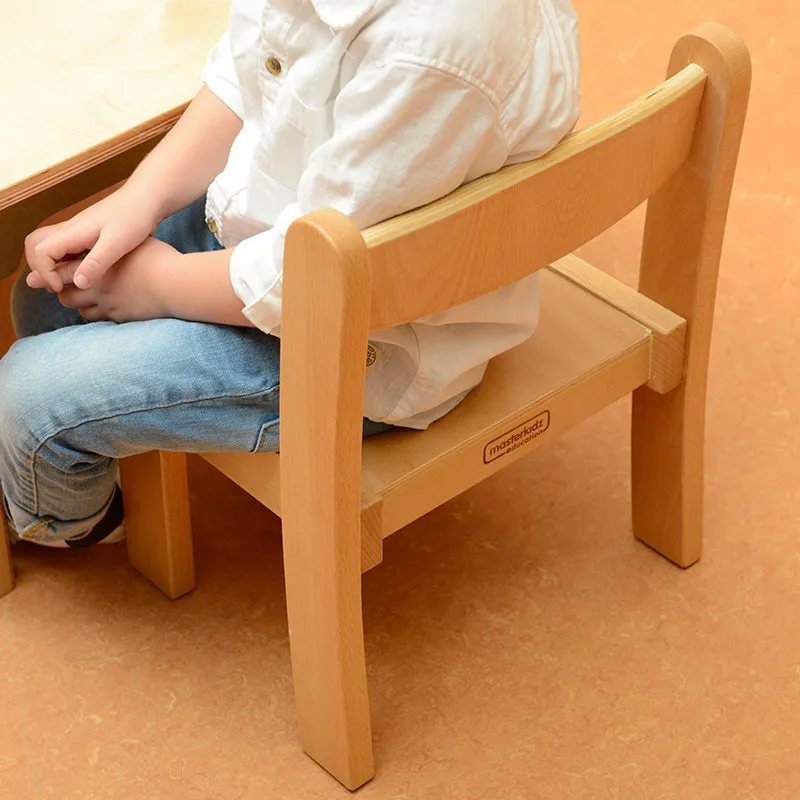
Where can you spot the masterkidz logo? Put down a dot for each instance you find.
(516, 438)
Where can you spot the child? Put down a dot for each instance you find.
(372, 107)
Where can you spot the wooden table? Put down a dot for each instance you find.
(89, 86)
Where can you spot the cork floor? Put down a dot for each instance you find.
(520, 643)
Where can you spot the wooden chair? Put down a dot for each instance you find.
(598, 340)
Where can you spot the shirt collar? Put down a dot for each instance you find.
(342, 13)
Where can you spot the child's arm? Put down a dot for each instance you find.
(403, 136)
(155, 281)
(176, 172)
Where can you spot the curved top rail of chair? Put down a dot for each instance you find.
(656, 131)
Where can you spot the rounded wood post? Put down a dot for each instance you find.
(326, 308)
(680, 262)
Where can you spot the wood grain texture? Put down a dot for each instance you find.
(326, 290)
(96, 72)
(680, 262)
(157, 522)
(584, 355)
(6, 565)
(668, 329)
(372, 531)
(597, 341)
(585, 185)
(259, 474)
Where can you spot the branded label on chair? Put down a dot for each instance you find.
(517, 437)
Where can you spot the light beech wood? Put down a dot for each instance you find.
(372, 531)
(90, 98)
(6, 565)
(157, 521)
(597, 341)
(579, 189)
(680, 262)
(89, 80)
(324, 331)
(584, 356)
(260, 476)
(668, 329)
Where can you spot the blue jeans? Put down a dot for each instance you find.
(78, 395)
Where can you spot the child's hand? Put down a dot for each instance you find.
(103, 233)
(137, 288)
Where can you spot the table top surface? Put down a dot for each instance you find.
(79, 74)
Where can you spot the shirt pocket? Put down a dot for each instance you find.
(296, 121)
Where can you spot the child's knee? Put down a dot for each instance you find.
(12, 408)
(29, 394)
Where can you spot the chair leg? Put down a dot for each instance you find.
(667, 472)
(157, 521)
(323, 597)
(6, 565)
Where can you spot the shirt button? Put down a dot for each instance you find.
(274, 67)
(212, 226)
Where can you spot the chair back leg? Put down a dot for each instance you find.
(680, 263)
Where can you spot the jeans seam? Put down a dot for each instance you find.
(193, 401)
(262, 432)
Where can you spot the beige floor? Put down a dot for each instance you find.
(521, 644)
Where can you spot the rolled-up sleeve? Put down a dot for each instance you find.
(404, 135)
(219, 74)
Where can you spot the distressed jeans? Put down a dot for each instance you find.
(76, 395)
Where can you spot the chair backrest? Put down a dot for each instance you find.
(504, 226)
(676, 147)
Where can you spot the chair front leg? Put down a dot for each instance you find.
(326, 301)
(323, 598)
(157, 521)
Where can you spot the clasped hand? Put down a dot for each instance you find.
(132, 289)
(103, 262)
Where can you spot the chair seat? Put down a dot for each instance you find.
(584, 355)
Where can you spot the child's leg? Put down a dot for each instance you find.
(77, 398)
(83, 394)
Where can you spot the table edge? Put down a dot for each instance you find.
(74, 165)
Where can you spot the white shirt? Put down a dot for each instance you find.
(375, 107)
